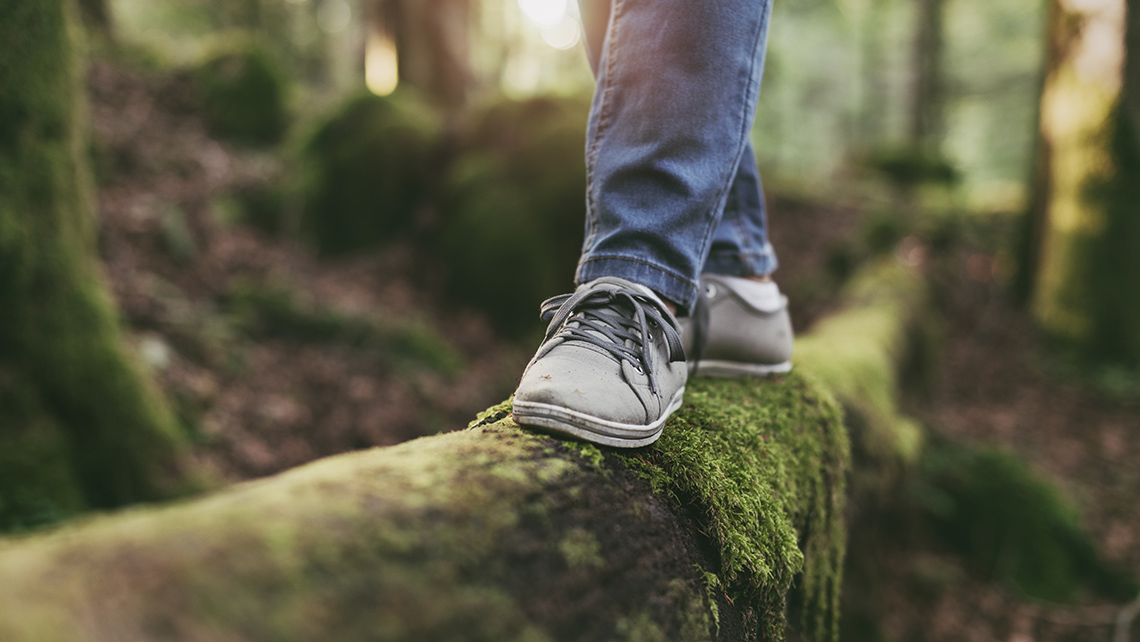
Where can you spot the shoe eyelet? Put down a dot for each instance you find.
(710, 290)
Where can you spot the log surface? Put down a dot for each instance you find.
(497, 533)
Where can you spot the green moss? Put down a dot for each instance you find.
(59, 331)
(639, 628)
(333, 546)
(712, 587)
(37, 483)
(764, 464)
(695, 612)
(1012, 523)
(908, 168)
(273, 311)
(581, 549)
(494, 414)
(243, 94)
(856, 355)
(367, 170)
(518, 183)
(589, 452)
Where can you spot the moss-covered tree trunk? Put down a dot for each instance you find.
(1087, 276)
(79, 426)
(493, 533)
(496, 533)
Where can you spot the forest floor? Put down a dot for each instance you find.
(274, 357)
(271, 357)
(997, 384)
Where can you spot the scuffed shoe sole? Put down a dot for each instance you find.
(735, 369)
(564, 421)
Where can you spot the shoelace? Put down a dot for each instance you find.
(598, 315)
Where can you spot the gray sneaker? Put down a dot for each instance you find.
(611, 368)
(741, 328)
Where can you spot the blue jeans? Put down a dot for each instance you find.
(672, 186)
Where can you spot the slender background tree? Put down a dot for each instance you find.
(80, 425)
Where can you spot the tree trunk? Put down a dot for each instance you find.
(433, 46)
(928, 99)
(873, 96)
(496, 533)
(79, 425)
(1086, 282)
(491, 534)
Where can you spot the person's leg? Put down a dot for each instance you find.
(741, 326)
(677, 87)
(740, 245)
(676, 94)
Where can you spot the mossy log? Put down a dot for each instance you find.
(491, 533)
(79, 424)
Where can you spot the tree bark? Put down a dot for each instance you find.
(79, 425)
(497, 533)
(1084, 287)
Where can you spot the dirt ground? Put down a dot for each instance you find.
(263, 404)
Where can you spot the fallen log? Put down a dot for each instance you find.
(491, 533)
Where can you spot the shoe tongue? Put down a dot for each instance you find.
(614, 283)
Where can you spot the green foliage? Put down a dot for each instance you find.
(243, 94)
(262, 206)
(905, 167)
(1012, 523)
(882, 232)
(59, 333)
(269, 311)
(515, 208)
(368, 169)
(764, 464)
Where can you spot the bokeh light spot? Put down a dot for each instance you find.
(381, 66)
(544, 13)
(563, 35)
(334, 16)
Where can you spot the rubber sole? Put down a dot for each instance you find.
(564, 421)
(734, 369)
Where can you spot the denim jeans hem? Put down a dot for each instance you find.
(738, 264)
(661, 280)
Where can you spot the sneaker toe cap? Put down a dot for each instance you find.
(583, 385)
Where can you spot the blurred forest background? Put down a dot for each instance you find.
(326, 225)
